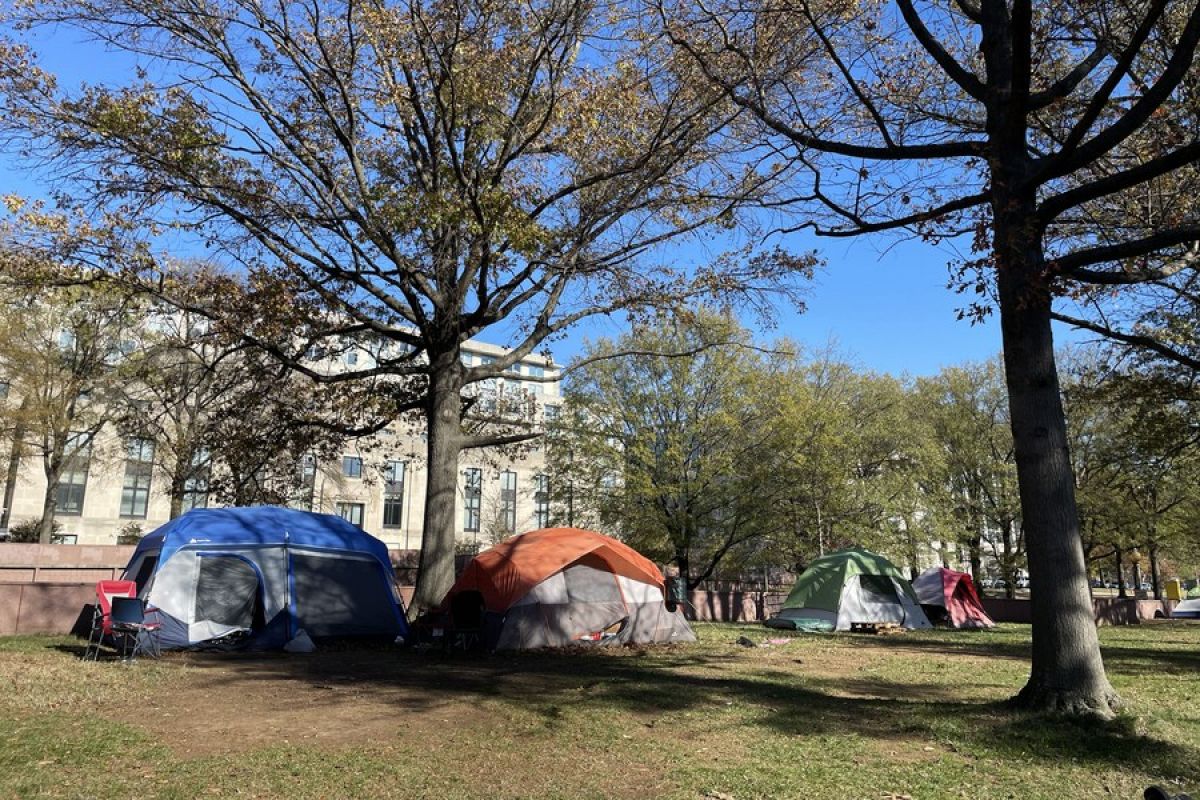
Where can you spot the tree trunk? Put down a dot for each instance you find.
(1067, 672)
(435, 573)
(1118, 559)
(685, 567)
(179, 476)
(52, 465)
(1155, 577)
(12, 473)
(976, 552)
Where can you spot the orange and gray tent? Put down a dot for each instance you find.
(560, 586)
(949, 597)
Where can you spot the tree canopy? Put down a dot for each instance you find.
(417, 172)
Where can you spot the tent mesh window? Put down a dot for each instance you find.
(877, 588)
(226, 591)
(341, 596)
(586, 584)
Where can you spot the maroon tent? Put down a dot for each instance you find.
(950, 597)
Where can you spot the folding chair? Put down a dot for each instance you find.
(466, 620)
(130, 628)
(102, 616)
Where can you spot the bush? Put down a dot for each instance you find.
(27, 532)
(130, 533)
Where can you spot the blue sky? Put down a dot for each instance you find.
(883, 303)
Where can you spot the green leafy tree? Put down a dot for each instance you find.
(967, 409)
(662, 440)
(1135, 443)
(841, 438)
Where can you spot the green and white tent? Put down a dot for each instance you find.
(850, 586)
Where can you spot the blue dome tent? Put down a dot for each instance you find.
(260, 575)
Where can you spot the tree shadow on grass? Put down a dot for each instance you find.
(656, 682)
(1167, 656)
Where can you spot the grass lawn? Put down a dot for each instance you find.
(845, 716)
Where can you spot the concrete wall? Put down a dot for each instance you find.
(1107, 610)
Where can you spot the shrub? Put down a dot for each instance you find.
(27, 532)
(130, 533)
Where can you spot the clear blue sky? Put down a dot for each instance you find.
(883, 303)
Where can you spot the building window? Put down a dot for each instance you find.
(473, 496)
(508, 501)
(352, 466)
(72, 481)
(351, 512)
(351, 358)
(195, 486)
(552, 413)
(541, 501)
(139, 465)
(393, 493)
(535, 371)
(393, 510)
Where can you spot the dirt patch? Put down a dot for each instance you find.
(232, 704)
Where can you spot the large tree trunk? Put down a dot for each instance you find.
(1067, 673)
(435, 573)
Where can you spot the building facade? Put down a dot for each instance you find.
(111, 486)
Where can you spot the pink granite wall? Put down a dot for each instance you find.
(62, 563)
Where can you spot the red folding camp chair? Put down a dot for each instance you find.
(102, 617)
